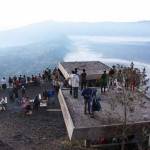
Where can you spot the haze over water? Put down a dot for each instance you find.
(111, 50)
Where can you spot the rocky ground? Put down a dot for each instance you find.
(43, 130)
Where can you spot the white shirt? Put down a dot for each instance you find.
(3, 81)
(70, 79)
(2, 101)
(74, 80)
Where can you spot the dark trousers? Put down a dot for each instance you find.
(70, 90)
(83, 85)
(103, 88)
(36, 106)
(4, 86)
(87, 106)
(75, 92)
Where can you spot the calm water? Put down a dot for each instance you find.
(111, 50)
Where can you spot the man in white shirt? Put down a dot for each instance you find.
(3, 82)
(75, 84)
(70, 81)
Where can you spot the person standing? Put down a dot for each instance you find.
(10, 81)
(86, 93)
(23, 91)
(103, 82)
(75, 85)
(70, 81)
(83, 79)
(36, 103)
(3, 82)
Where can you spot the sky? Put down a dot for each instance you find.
(16, 13)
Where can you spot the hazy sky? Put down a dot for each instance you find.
(15, 13)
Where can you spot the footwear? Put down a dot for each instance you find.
(92, 116)
(85, 113)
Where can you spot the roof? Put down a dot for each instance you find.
(93, 68)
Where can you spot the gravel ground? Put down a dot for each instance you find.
(43, 130)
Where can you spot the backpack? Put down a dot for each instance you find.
(96, 106)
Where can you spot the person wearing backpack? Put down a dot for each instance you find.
(86, 93)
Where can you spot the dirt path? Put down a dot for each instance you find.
(44, 130)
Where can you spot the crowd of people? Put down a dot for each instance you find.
(118, 77)
(24, 80)
(18, 85)
(76, 81)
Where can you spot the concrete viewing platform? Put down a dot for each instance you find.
(93, 68)
(107, 122)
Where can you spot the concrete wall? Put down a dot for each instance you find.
(67, 118)
(77, 132)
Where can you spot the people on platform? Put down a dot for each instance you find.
(83, 79)
(70, 81)
(104, 82)
(75, 84)
(87, 93)
(91, 102)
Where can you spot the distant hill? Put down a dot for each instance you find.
(49, 30)
(31, 48)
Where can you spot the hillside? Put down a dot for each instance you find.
(49, 30)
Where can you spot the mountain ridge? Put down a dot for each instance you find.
(50, 29)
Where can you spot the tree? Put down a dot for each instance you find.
(127, 82)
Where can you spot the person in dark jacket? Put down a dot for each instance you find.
(23, 91)
(36, 103)
(87, 94)
(83, 79)
(104, 80)
(10, 80)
